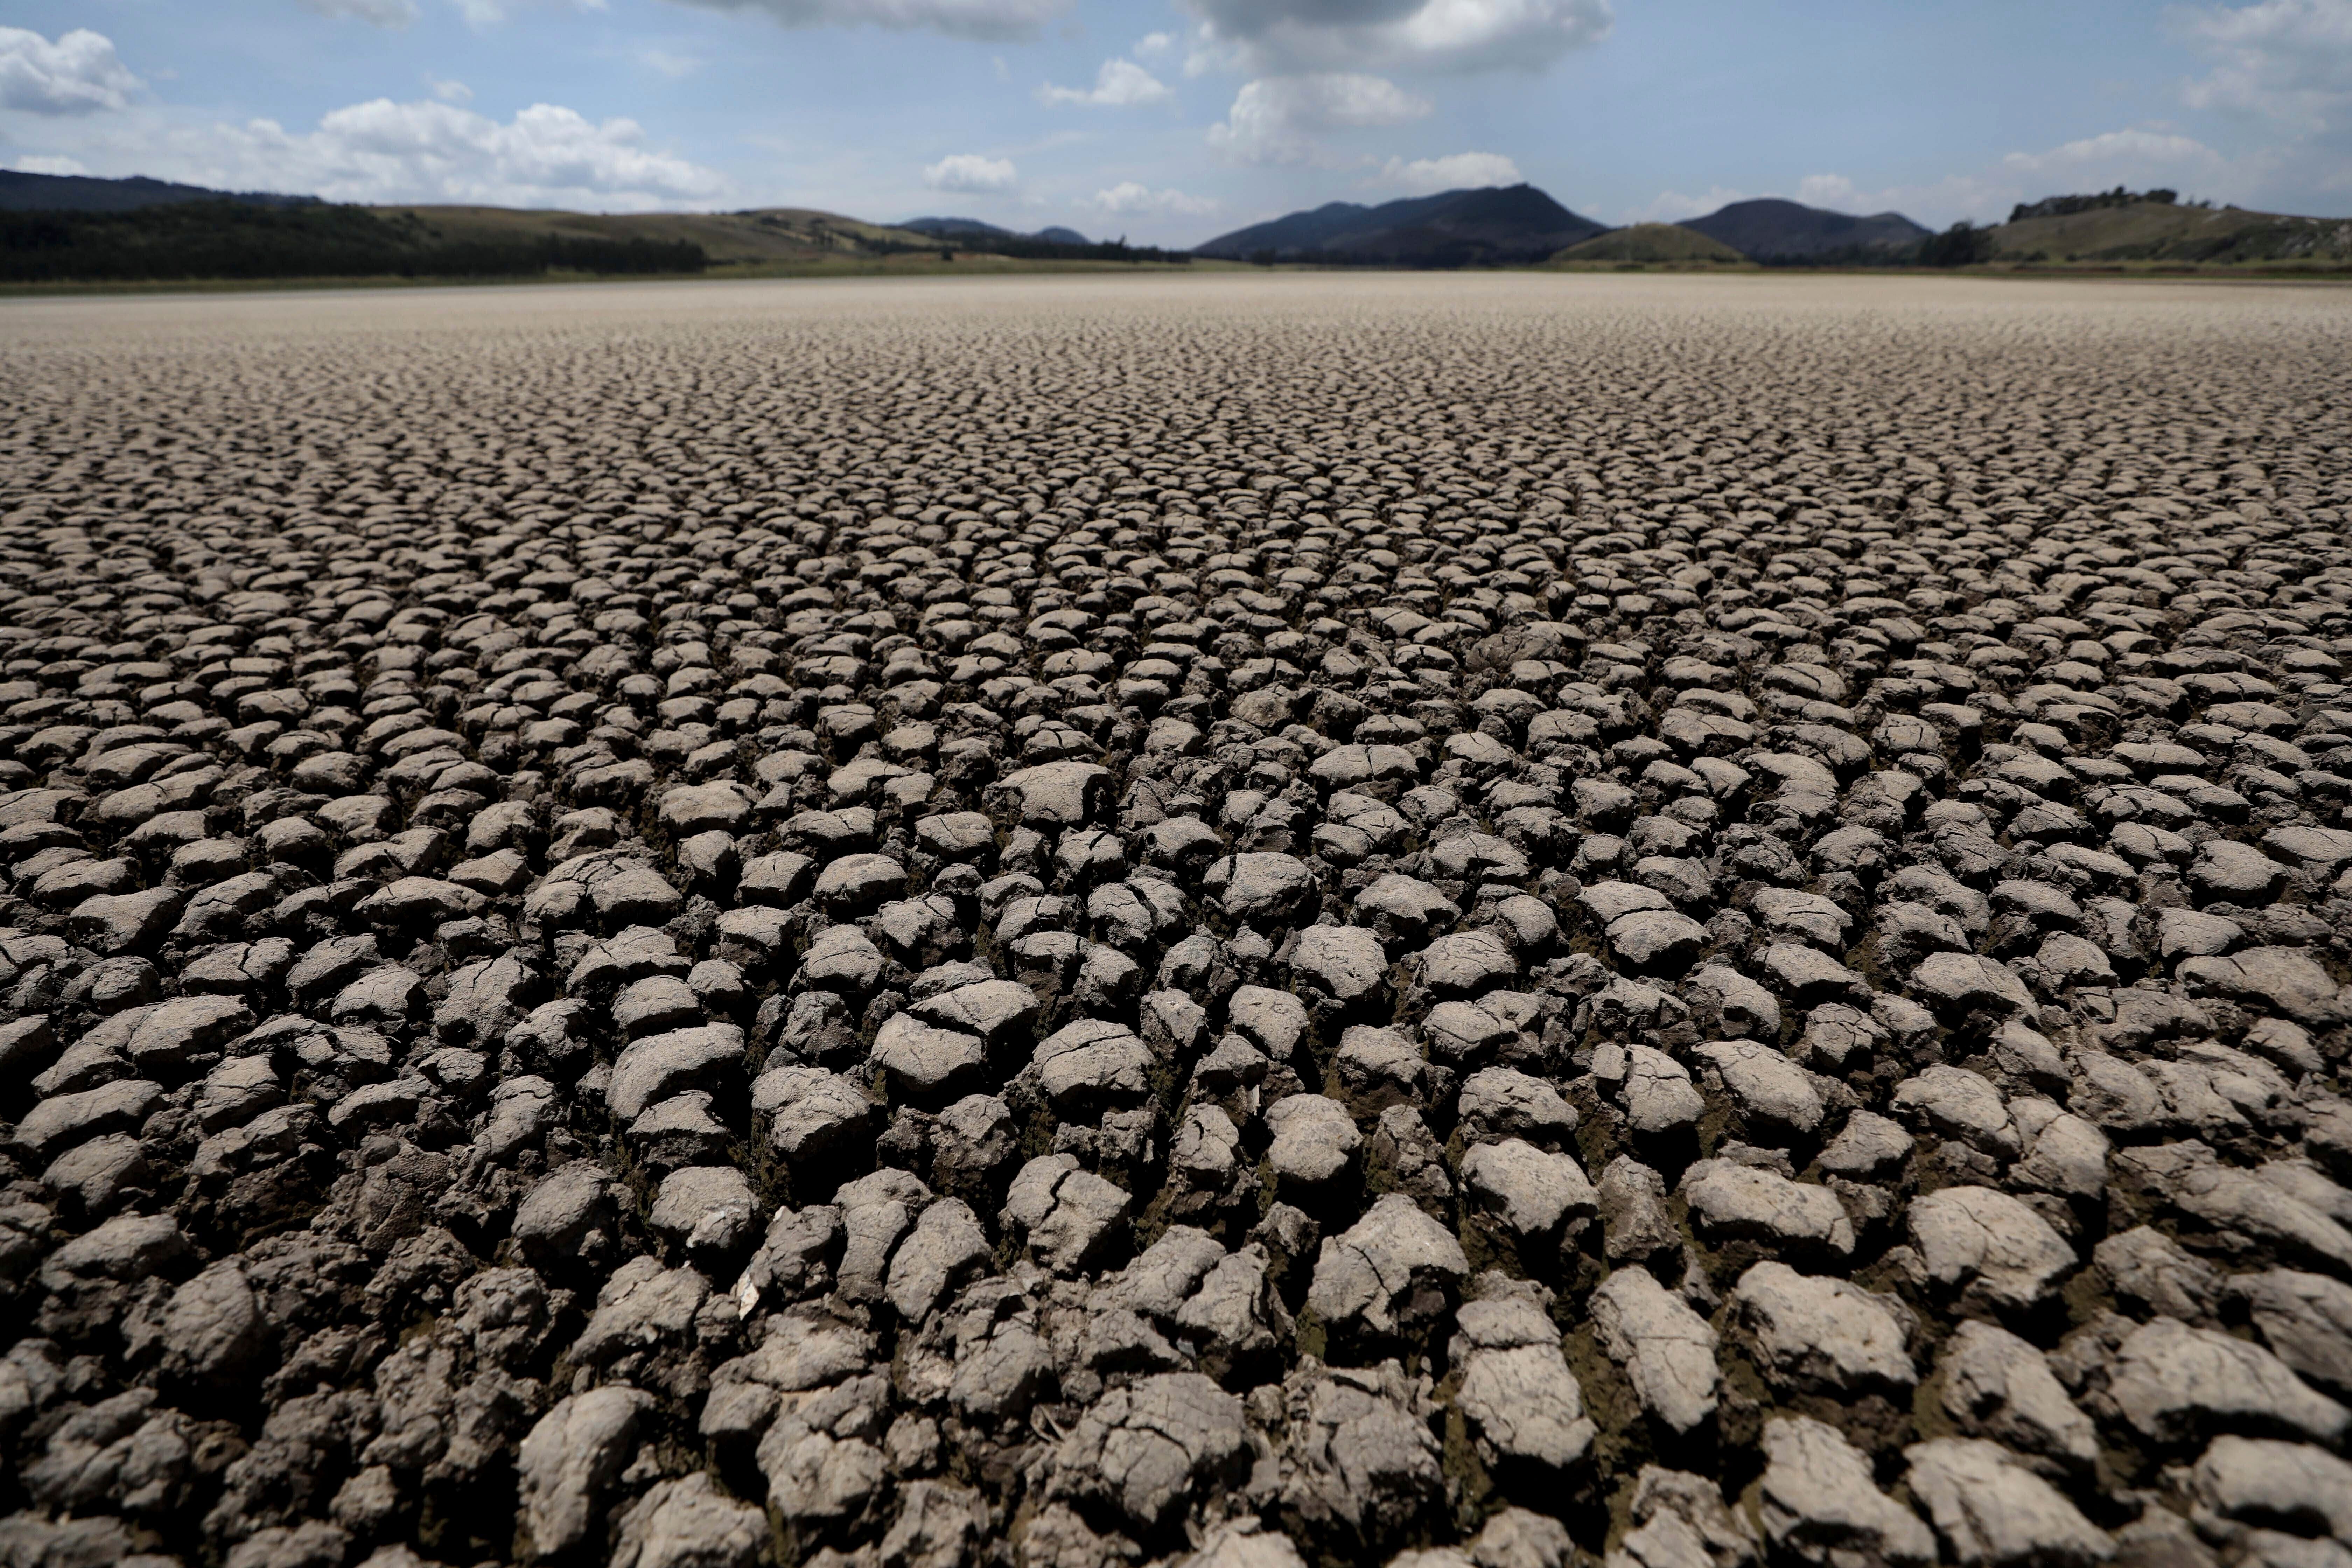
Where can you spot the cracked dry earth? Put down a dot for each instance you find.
(1434, 920)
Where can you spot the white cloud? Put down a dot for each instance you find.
(2121, 158)
(393, 14)
(676, 67)
(451, 91)
(1438, 34)
(2288, 59)
(1673, 206)
(1833, 190)
(1153, 45)
(1130, 197)
(425, 152)
(1456, 171)
(1273, 119)
(76, 75)
(992, 19)
(971, 172)
(1120, 84)
(387, 151)
(47, 165)
(483, 13)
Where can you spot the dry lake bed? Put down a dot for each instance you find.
(1250, 920)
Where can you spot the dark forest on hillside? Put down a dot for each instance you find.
(238, 240)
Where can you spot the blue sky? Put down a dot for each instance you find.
(1170, 120)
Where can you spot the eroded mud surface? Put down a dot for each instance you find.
(1286, 920)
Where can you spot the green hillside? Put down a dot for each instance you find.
(2162, 231)
(235, 242)
(1650, 243)
(228, 240)
(789, 234)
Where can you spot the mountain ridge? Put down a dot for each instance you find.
(1487, 225)
(962, 228)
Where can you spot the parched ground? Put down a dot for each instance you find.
(1253, 921)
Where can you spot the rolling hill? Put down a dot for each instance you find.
(1651, 242)
(1770, 229)
(196, 241)
(215, 237)
(1494, 224)
(2163, 231)
(22, 191)
(760, 235)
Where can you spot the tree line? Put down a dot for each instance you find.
(1029, 247)
(2067, 206)
(195, 240)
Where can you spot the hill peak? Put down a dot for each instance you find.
(1773, 229)
(1487, 225)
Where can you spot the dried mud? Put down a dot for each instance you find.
(1245, 921)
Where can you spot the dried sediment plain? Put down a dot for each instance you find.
(1261, 920)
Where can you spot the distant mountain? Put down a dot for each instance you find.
(21, 192)
(955, 228)
(1774, 230)
(1651, 242)
(972, 228)
(1497, 224)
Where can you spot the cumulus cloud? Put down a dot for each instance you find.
(1153, 45)
(382, 153)
(485, 13)
(385, 150)
(1434, 35)
(451, 91)
(79, 74)
(1274, 119)
(991, 19)
(969, 172)
(1457, 170)
(1120, 84)
(2288, 59)
(394, 13)
(44, 165)
(1130, 197)
(2121, 158)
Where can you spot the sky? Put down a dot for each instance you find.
(1171, 120)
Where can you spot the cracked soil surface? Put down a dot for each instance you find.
(1245, 921)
